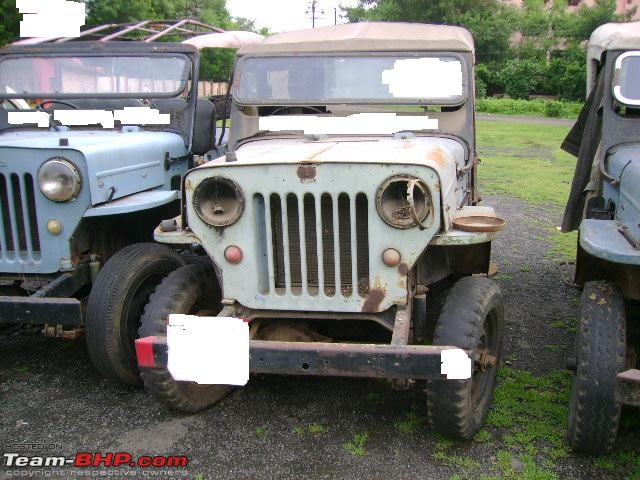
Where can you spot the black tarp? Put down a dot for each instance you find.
(582, 142)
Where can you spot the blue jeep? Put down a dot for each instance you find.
(88, 172)
(604, 205)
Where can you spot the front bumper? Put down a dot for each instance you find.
(322, 359)
(52, 304)
(36, 311)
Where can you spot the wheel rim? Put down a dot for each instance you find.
(485, 361)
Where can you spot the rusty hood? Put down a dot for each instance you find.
(444, 155)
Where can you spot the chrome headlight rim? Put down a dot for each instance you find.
(64, 193)
(417, 208)
(216, 208)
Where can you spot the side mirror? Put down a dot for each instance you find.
(204, 129)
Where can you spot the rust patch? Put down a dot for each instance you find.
(437, 155)
(319, 152)
(373, 300)
(403, 268)
(306, 173)
(188, 185)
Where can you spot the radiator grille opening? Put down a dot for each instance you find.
(362, 243)
(6, 216)
(301, 237)
(31, 208)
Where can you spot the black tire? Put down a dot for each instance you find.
(187, 290)
(116, 302)
(600, 352)
(472, 318)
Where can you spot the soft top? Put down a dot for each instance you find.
(367, 36)
(614, 36)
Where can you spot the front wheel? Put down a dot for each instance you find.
(600, 354)
(116, 302)
(472, 318)
(188, 290)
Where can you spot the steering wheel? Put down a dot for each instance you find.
(41, 105)
(282, 109)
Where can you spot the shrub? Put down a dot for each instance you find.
(481, 88)
(521, 78)
(553, 109)
(510, 106)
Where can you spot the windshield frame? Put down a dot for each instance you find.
(359, 101)
(188, 72)
(616, 85)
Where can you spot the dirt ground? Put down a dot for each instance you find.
(297, 427)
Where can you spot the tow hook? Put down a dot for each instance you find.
(56, 331)
(483, 359)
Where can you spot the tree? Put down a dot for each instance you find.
(491, 31)
(10, 25)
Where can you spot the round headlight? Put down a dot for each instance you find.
(218, 201)
(404, 201)
(59, 179)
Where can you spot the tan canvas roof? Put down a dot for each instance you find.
(367, 36)
(614, 36)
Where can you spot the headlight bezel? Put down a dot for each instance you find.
(393, 186)
(202, 200)
(66, 193)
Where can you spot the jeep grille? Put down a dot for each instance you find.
(18, 222)
(303, 235)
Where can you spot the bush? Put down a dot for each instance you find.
(481, 88)
(521, 77)
(553, 109)
(540, 108)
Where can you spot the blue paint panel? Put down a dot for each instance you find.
(129, 161)
(53, 248)
(602, 239)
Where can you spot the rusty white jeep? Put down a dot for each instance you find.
(342, 228)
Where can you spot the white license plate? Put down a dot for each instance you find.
(208, 350)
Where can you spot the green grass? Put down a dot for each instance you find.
(525, 161)
(316, 429)
(356, 446)
(509, 106)
(411, 422)
(22, 370)
(260, 432)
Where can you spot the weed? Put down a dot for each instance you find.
(299, 430)
(374, 398)
(356, 446)
(483, 436)
(553, 348)
(22, 370)
(260, 431)
(316, 429)
(411, 422)
(199, 476)
(525, 268)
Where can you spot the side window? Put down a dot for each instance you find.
(8, 105)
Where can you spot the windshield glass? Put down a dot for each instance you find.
(324, 79)
(626, 86)
(88, 76)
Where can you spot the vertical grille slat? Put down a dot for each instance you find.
(269, 242)
(31, 208)
(319, 244)
(302, 244)
(315, 244)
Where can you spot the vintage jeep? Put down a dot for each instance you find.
(79, 196)
(340, 220)
(604, 204)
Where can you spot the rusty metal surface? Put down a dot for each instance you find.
(346, 359)
(628, 387)
(335, 359)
